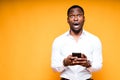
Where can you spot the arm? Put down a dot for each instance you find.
(57, 58)
(96, 63)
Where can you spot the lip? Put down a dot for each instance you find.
(76, 25)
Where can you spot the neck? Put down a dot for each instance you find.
(75, 35)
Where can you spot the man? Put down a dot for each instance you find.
(76, 40)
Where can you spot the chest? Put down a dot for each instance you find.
(82, 46)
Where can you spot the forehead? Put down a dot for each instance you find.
(76, 10)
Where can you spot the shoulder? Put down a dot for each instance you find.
(93, 38)
(60, 39)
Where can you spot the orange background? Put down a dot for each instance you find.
(28, 28)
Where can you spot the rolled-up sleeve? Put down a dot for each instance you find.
(57, 59)
(96, 57)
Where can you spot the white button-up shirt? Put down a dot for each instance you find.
(87, 44)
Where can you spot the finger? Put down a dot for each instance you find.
(73, 58)
(70, 57)
(79, 62)
(83, 56)
(81, 59)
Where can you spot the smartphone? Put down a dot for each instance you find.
(76, 55)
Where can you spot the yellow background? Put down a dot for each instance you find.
(28, 28)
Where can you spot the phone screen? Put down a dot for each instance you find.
(76, 55)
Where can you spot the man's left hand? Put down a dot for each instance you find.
(82, 61)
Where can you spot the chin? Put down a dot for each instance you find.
(76, 31)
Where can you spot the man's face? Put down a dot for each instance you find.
(76, 20)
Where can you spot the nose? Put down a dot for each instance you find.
(76, 18)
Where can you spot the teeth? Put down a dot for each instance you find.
(76, 26)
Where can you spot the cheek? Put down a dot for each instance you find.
(81, 20)
(69, 21)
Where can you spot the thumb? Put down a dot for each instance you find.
(83, 56)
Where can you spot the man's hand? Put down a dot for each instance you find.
(82, 61)
(70, 61)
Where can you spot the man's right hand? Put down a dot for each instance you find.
(69, 60)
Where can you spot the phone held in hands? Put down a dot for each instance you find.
(74, 54)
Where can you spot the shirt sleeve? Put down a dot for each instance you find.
(57, 58)
(97, 57)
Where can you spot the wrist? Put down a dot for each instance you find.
(64, 62)
(88, 64)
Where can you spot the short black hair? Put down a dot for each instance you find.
(75, 6)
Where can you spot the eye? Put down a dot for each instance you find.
(79, 15)
(71, 16)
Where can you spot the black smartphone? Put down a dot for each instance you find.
(76, 55)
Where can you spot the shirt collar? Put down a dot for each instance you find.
(83, 33)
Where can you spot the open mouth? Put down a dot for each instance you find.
(76, 25)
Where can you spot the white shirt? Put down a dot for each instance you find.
(87, 44)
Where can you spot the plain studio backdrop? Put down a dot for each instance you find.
(28, 28)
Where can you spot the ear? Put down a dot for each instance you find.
(84, 18)
(67, 20)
